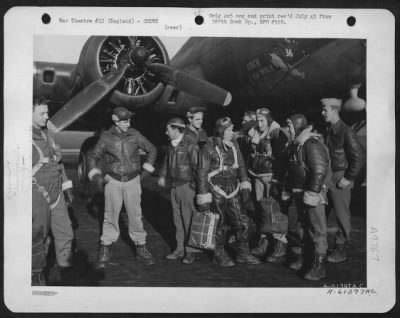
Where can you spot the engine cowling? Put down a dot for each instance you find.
(102, 54)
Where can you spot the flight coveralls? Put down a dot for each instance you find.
(221, 175)
(49, 208)
(260, 166)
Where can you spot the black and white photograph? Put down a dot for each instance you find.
(224, 162)
(279, 86)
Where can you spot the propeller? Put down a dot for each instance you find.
(188, 83)
(137, 60)
(181, 80)
(86, 99)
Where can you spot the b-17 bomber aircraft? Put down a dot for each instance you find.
(226, 75)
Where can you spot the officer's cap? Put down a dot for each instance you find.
(176, 122)
(122, 113)
(331, 102)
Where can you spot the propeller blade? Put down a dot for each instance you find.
(191, 84)
(132, 42)
(86, 99)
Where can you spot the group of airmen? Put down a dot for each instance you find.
(258, 173)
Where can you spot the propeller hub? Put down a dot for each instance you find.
(138, 56)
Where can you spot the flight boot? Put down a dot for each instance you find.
(189, 258)
(244, 255)
(318, 270)
(66, 275)
(105, 254)
(262, 247)
(38, 279)
(339, 254)
(222, 258)
(298, 261)
(144, 255)
(175, 255)
(61, 275)
(278, 256)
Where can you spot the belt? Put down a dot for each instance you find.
(124, 178)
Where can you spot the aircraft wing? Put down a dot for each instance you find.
(286, 75)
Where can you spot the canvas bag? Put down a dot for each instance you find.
(203, 229)
(273, 220)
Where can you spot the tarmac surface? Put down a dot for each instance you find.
(125, 270)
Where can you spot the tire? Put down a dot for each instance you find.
(83, 169)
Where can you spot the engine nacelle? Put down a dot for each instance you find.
(103, 54)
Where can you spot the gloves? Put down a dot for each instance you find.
(69, 197)
(145, 174)
(245, 193)
(98, 183)
(204, 207)
(343, 183)
(312, 198)
(161, 182)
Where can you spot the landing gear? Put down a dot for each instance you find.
(83, 169)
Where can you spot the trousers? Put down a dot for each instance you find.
(56, 219)
(40, 230)
(117, 193)
(341, 204)
(61, 227)
(182, 200)
(310, 223)
(232, 214)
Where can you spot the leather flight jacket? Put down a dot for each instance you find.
(209, 161)
(180, 162)
(260, 160)
(346, 152)
(308, 165)
(198, 137)
(120, 154)
(280, 149)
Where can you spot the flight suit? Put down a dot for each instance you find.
(221, 177)
(49, 208)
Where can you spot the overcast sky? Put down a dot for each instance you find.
(66, 49)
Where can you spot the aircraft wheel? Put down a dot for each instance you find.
(83, 170)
